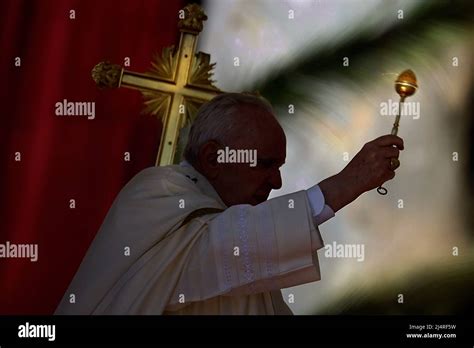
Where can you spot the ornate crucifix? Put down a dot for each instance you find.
(177, 85)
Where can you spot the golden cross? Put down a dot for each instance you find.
(177, 85)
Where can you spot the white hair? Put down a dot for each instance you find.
(220, 119)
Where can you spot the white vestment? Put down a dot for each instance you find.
(144, 260)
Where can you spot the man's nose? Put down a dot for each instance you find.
(275, 180)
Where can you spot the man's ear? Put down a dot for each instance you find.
(207, 159)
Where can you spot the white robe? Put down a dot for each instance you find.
(232, 262)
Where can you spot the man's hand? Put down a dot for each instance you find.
(369, 169)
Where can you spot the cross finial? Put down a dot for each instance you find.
(193, 17)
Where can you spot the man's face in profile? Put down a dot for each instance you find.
(241, 183)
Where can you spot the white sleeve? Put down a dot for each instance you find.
(320, 210)
(251, 249)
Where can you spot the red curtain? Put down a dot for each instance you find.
(66, 158)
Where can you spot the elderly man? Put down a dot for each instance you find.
(202, 238)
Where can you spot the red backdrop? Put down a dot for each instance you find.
(68, 157)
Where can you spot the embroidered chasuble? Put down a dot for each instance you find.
(169, 245)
